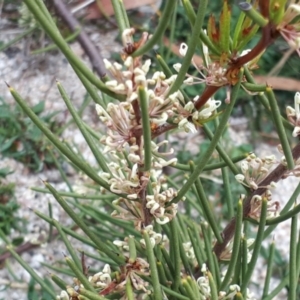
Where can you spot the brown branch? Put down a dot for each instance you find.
(208, 93)
(90, 49)
(264, 6)
(269, 34)
(275, 176)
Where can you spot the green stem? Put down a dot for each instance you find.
(152, 262)
(101, 246)
(68, 231)
(257, 246)
(18, 38)
(228, 195)
(253, 14)
(61, 171)
(81, 164)
(196, 247)
(82, 278)
(132, 249)
(74, 195)
(50, 225)
(143, 97)
(293, 276)
(90, 88)
(269, 270)
(213, 287)
(58, 281)
(120, 15)
(280, 129)
(204, 203)
(218, 165)
(228, 161)
(264, 101)
(68, 39)
(89, 295)
(161, 28)
(191, 47)
(68, 244)
(236, 245)
(254, 87)
(174, 294)
(208, 247)
(129, 291)
(97, 154)
(34, 275)
(161, 272)
(203, 37)
(189, 290)
(291, 213)
(175, 254)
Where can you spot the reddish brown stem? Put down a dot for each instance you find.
(264, 6)
(208, 93)
(269, 34)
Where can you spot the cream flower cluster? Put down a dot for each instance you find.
(99, 280)
(211, 74)
(256, 205)
(254, 170)
(102, 280)
(205, 291)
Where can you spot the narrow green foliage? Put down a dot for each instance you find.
(293, 274)
(152, 262)
(204, 203)
(58, 281)
(162, 26)
(253, 14)
(277, 9)
(143, 98)
(101, 246)
(90, 295)
(79, 274)
(97, 153)
(269, 269)
(129, 292)
(62, 147)
(70, 248)
(120, 15)
(175, 254)
(257, 245)
(280, 129)
(191, 47)
(236, 246)
(32, 273)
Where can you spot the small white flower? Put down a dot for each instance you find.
(177, 67)
(63, 296)
(187, 126)
(183, 49)
(240, 178)
(208, 109)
